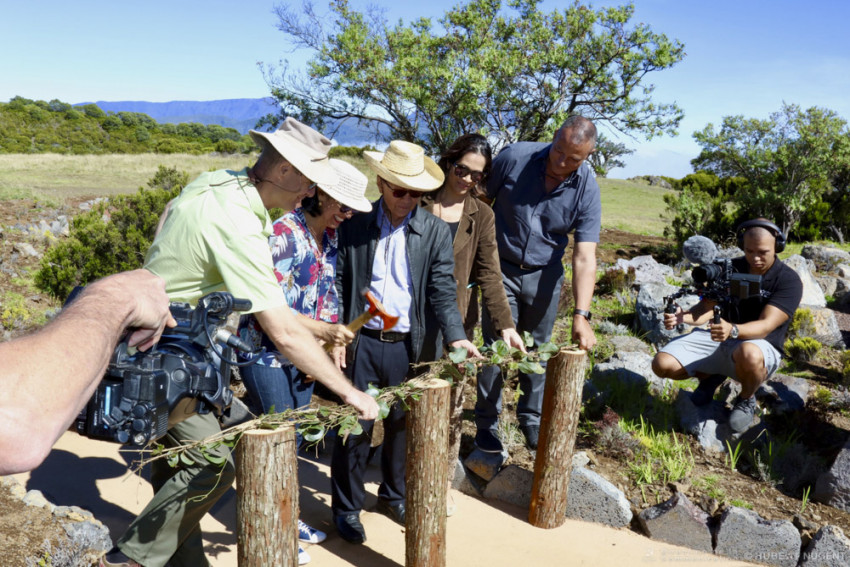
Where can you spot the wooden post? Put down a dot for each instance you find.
(427, 474)
(267, 498)
(558, 423)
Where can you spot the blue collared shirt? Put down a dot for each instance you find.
(532, 226)
(391, 281)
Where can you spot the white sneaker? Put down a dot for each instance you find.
(310, 535)
(303, 556)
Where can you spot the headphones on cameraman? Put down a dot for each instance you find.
(777, 233)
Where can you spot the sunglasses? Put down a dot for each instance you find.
(462, 171)
(400, 193)
(343, 209)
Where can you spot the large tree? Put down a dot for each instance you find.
(513, 72)
(607, 155)
(789, 161)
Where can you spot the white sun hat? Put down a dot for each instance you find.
(301, 146)
(350, 190)
(406, 165)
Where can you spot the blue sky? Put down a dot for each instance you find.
(743, 57)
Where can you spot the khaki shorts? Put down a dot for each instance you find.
(698, 353)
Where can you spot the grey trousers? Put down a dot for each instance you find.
(533, 296)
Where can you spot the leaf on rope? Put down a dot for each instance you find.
(470, 368)
(173, 459)
(528, 367)
(313, 433)
(186, 459)
(450, 373)
(527, 339)
(215, 459)
(383, 409)
(548, 348)
(457, 355)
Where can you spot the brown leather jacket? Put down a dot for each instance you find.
(477, 260)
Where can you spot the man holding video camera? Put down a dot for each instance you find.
(30, 422)
(746, 344)
(215, 237)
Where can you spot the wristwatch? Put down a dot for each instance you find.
(583, 312)
(733, 334)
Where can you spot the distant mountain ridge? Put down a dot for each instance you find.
(241, 114)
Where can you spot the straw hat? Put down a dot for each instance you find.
(351, 188)
(406, 165)
(301, 146)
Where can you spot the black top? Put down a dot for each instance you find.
(453, 227)
(781, 287)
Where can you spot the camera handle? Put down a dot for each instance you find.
(717, 311)
(671, 308)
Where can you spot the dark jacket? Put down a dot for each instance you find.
(477, 260)
(429, 254)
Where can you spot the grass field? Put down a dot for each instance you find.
(55, 178)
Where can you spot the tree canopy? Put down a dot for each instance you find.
(790, 161)
(514, 73)
(607, 155)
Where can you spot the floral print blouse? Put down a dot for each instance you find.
(305, 274)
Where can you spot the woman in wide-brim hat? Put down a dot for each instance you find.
(304, 250)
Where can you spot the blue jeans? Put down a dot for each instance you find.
(276, 389)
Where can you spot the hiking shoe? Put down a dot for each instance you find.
(303, 556)
(531, 434)
(310, 535)
(742, 414)
(704, 392)
(488, 441)
(115, 558)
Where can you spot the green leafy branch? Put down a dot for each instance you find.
(314, 423)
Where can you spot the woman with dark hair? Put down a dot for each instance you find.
(304, 251)
(466, 165)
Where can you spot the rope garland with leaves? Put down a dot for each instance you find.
(314, 423)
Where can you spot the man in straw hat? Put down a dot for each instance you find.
(403, 254)
(215, 237)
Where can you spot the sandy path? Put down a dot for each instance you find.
(93, 475)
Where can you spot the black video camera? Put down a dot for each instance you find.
(143, 394)
(714, 278)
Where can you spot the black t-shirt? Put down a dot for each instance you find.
(781, 287)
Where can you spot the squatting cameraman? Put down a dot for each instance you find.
(56, 361)
(746, 345)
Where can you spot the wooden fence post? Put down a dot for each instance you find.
(558, 424)
(267, 498)
(426, 475)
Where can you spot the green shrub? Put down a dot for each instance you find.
(113, 237)
(802, 324)
(349, 151)
(615, 279)
(802, 348)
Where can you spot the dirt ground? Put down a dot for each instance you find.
(23, 530)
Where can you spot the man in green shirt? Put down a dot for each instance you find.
(215, 237)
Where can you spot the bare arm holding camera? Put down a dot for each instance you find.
(699, 314)
(57, 362)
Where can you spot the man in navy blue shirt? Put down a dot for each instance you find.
(541, 193)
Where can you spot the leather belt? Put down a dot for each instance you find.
(385, 336)
(525, 267)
